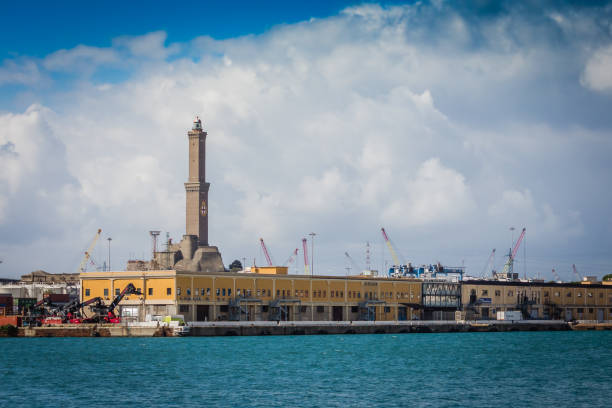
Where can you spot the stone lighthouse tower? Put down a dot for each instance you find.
(196, 188)
(194, 253)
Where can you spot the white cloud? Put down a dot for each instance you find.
(335, 125)
(597, 73)
(436, 195)
(80, 58)
(21, 71)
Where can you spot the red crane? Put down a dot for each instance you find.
(508, 267)
(305, 246)
(265, 251)
(291, 258)
(576, 272)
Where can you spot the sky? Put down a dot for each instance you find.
(446, 123)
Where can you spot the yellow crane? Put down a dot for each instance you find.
(83, 264)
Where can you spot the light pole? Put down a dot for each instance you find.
(109, 239)
(312, 235)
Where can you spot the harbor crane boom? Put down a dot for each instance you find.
(291, 258)
(265, 251)
(305, 250)
(508, 267)
(388, 242)
(489, 263)
(352, 261)
(576, 272)
(83, 264)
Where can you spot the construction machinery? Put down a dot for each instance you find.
(397, 269)
(106, 313)
(489, 264)
(352, 262)
(556, 275)
(265, 251)
(83, 265)
(291, 258)
(576, 273)
(305, 250)
(509, 266)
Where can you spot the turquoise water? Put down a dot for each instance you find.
(565, 369)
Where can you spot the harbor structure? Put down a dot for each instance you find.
(189, 279)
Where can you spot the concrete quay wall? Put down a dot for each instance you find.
(362, 327)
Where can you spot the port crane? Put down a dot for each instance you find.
(305, 250)
(83, 265)
(352, 261)
(556, 275)
(509, 266)
(106, 313)
(489, 263)
(398, 269)
(291, 258)
(265, 251)
(576, 272)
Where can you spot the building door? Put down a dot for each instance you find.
(202, 313)
(337, 313)
(600, 315)
(485, 313)
(401, 313)
(568, 315)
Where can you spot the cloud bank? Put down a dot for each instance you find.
(445, 125)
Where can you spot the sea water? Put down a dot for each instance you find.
(517, 369)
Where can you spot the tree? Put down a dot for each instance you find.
(235, 266)
(607, 277)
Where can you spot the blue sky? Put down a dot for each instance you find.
(445, 122)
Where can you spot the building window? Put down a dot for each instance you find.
(580, 310)
(168, 291)
(117, 292)
(387, 309)
(178, 291)
(277, 292)
(188, 291)
(150, 291)
(350, 294)
(105, 292)
(545, 294)
(358, 295)
(223, 308)
(569, 294)
(303, 309)
(589, 294)
(218, 291)
(184, 308)
(590, 310)
(579, 294)
(498, 293)
(557, 294)
(332, 293)
(229, 292)
(485, 292)
(207, 291)
(510, 293)
(87, 292)
(354, 309)
(223, 292)
(320, 309)
(202, 291)
(306, 293)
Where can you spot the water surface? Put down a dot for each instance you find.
(530, 369)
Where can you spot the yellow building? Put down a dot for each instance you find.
(538, 300)
(202, 296)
